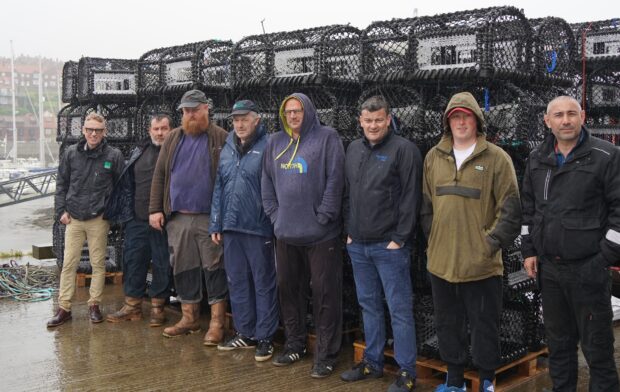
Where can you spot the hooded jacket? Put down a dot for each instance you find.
(303, 179)
(160, 187)
(236, 204)
(572, 212)
(86, 178)
(468, 214)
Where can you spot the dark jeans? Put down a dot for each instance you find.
(378, 270)
(251, 273)
(144, 244)
(295, 267)
(480, 303)
(576, 300)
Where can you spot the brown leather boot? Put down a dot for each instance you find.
(131, 311)
(158, 317)
(188, 323)
(215, 334)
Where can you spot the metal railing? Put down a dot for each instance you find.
(31, 187)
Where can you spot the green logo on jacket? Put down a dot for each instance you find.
(107, 165)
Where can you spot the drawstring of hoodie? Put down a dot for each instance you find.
(286, 149)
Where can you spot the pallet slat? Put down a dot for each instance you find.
(426, 369)
(115, 277)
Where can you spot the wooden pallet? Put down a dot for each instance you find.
(428, 370)
(114, 277)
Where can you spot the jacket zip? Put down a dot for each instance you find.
(546, 192)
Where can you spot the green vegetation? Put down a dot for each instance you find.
(12, 253)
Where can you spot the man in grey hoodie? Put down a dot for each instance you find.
(301, 187)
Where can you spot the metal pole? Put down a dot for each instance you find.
(13, 95)
(41, 122)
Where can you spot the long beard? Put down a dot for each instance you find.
(195, 127)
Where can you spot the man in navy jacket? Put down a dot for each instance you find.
(381, 204)
(240, 223)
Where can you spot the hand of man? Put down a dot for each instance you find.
(156, 221)
(531, 266)
(349, 240)
(217, 238)
(65, 218)
(393, 245)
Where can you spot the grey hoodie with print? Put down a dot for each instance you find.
(303, 179)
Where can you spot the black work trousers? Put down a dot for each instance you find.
(321, 266)
(576, 300)
(480, 303)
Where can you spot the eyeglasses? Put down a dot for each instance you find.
(98, 131)
(293, 111)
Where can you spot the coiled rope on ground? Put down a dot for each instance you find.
(27, 282)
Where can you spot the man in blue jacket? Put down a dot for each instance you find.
(302, 186)
(129, 205)
(239, 222)
(381, 204)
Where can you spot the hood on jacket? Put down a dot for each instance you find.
(464, 100)
(309, 122)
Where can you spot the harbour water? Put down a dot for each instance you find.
(26, 224)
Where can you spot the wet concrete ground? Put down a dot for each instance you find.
(80, 356)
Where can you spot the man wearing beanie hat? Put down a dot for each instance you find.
(470, 210)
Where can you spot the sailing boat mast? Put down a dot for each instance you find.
(13, 96)
(41, 124)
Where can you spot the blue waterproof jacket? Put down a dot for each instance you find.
(236, 204)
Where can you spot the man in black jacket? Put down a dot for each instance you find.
(571, 235)
(129, 205)
(382, 199)
(86, 176)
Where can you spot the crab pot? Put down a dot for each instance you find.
(184, 67)
(214, 70)
(485, 43)
(385, 54)
(69, 81)
(555, 51)
(106, 80)
(120, 121)
(602, 92)
(70, 119)
(252, 61)
(320, 55)
(602, 43)
(605, 126)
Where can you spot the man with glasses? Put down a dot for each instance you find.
(302, 186)
(181, 191)
(86, 176)
(129, 205)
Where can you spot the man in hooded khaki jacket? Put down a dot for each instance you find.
(470, 209)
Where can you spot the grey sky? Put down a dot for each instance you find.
(69, 29)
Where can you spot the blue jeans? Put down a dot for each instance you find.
(144, 244)
(375, 268)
